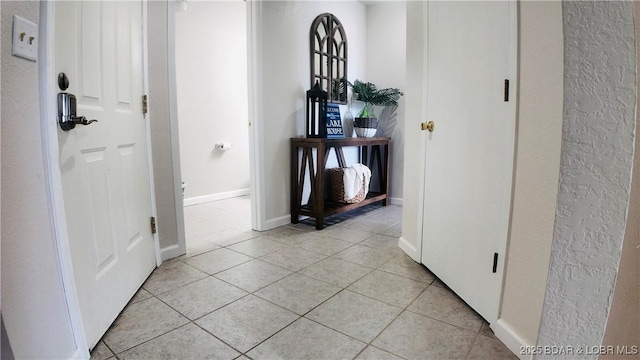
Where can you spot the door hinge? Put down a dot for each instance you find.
(506, 89)
(495, 262)
(145, 104)
(153, 225)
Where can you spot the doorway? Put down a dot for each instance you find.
(212, 109)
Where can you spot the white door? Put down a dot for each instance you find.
(105, 165)
(469, 155)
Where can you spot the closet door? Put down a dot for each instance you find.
(469, 153)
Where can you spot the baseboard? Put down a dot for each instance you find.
(170, 252)
(395, 201)
(277, 222)
(510, 338)
(409, 249)
(217, 196)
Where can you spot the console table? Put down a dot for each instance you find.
(318, 206)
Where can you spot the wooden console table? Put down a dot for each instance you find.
(318, 207)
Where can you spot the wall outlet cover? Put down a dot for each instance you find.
(24, 39)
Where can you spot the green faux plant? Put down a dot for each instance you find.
(370, 96)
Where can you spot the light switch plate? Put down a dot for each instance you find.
(25, 39)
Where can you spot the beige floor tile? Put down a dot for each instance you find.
(247, 322)
(490, 349)
(201, 297)
(442, 304)
(486, 330)
(384, 242)
(140, 295)
(355, 315)
(325, 245)
(364, 255)
(390, 288)
(170, 275)
(292, 258)
(188, 343)
(373, 353)
(196, 247)
(253, 275)
(393, 230)
(141, 322)
(347, 234)
(197, 228)
(305, 339)
(257, 246)
(414, 336)
(217, 260)
(374, 226)
(336, 271)
(292, 237)
(405, 266)
(298, 293)
(230, 237)
(101, 352)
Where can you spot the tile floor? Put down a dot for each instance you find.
(346, 292)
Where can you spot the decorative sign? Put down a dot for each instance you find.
(334, 122)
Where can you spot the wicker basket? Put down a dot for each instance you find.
(336, 187)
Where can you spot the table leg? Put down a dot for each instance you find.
(318, 204)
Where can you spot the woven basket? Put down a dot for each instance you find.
(336, 187)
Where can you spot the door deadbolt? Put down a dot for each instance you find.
(427, 126)
(67, 105)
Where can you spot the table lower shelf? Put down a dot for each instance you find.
(332, 208)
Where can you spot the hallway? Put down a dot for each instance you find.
(346, 292)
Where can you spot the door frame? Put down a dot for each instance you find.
(514, 85)
(53, 175)
(256, 133)
(255, 110)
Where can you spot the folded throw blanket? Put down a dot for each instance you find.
(352, 177)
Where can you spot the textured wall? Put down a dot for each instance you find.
(597, 152)
(34, 308)
(623, 325)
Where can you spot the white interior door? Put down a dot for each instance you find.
(469, 155)
(104, 165)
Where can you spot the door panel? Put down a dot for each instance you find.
(469, 156)
(104, 165)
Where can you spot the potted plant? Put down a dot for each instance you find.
(366, 123)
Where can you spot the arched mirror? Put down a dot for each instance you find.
(329, 56)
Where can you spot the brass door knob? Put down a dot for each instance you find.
(427, 126)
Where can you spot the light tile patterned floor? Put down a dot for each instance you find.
(346, 292)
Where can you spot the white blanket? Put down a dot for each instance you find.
(352, 177)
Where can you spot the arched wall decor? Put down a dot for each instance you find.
(328, 45)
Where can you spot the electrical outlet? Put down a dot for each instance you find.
(25, 39)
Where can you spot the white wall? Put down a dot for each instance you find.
(33, 304)
(595, 174)
(284, 39)
(211, 68)
(386, 67)
(536, 168)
